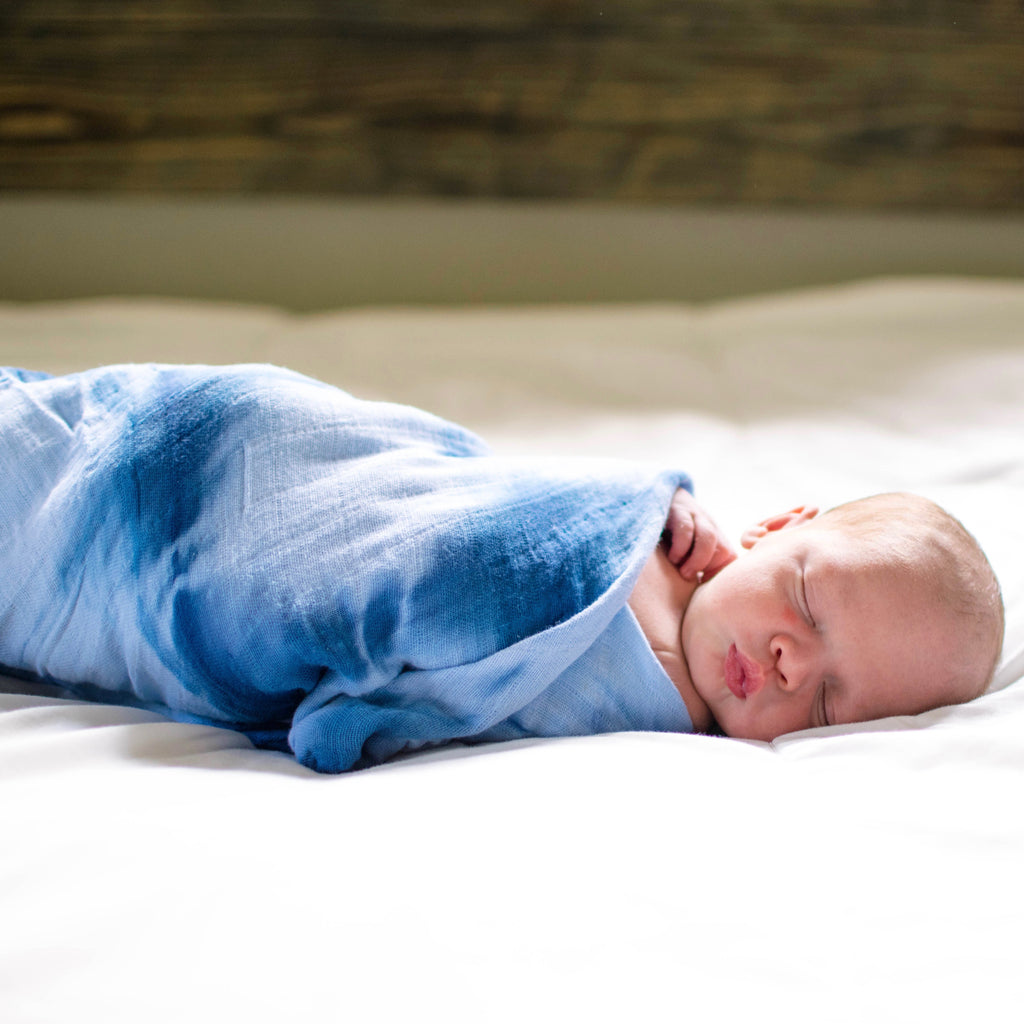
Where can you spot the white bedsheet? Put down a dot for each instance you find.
(153, 871)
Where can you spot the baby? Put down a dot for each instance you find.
(351, 580)
(882, 606)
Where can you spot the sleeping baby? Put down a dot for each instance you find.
(350, 580)
(882, 606)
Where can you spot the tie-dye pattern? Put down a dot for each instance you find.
(350, 579)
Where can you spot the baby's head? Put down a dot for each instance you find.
(883, 606)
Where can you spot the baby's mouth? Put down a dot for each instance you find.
(742, 675)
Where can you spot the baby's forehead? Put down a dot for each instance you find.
(873, 534)
(893, 557)
(867, 583)
(912, 540)
(904, 635)
(912, 583)
(849, 549)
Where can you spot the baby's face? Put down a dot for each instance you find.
(806, 630)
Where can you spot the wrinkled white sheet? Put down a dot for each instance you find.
(158, 871)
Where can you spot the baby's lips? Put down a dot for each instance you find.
(743, 676)
(733, 673)
(754, 675)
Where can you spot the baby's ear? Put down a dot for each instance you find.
(794, 517)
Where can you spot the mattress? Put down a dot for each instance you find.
(162, 871)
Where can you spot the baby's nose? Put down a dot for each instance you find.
(791, 665)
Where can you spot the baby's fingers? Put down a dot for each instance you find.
(709, 552)
(679, 530)
(695, 545)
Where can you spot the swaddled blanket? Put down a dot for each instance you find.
(348, 579)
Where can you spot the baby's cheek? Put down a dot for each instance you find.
(790, 618)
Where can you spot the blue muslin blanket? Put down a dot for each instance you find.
(251, 548)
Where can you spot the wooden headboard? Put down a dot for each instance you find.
(853, 104)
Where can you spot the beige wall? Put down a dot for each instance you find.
(319, 254)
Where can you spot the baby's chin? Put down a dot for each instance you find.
(733, 718)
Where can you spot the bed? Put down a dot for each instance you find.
(159, 871)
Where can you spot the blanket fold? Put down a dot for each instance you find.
(251, 548)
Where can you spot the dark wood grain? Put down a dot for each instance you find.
(916, 104)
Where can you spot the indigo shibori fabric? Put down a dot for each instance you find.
(346, 579)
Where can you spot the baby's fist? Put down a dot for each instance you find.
(695, 544)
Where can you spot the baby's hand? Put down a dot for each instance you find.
(695, 545)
